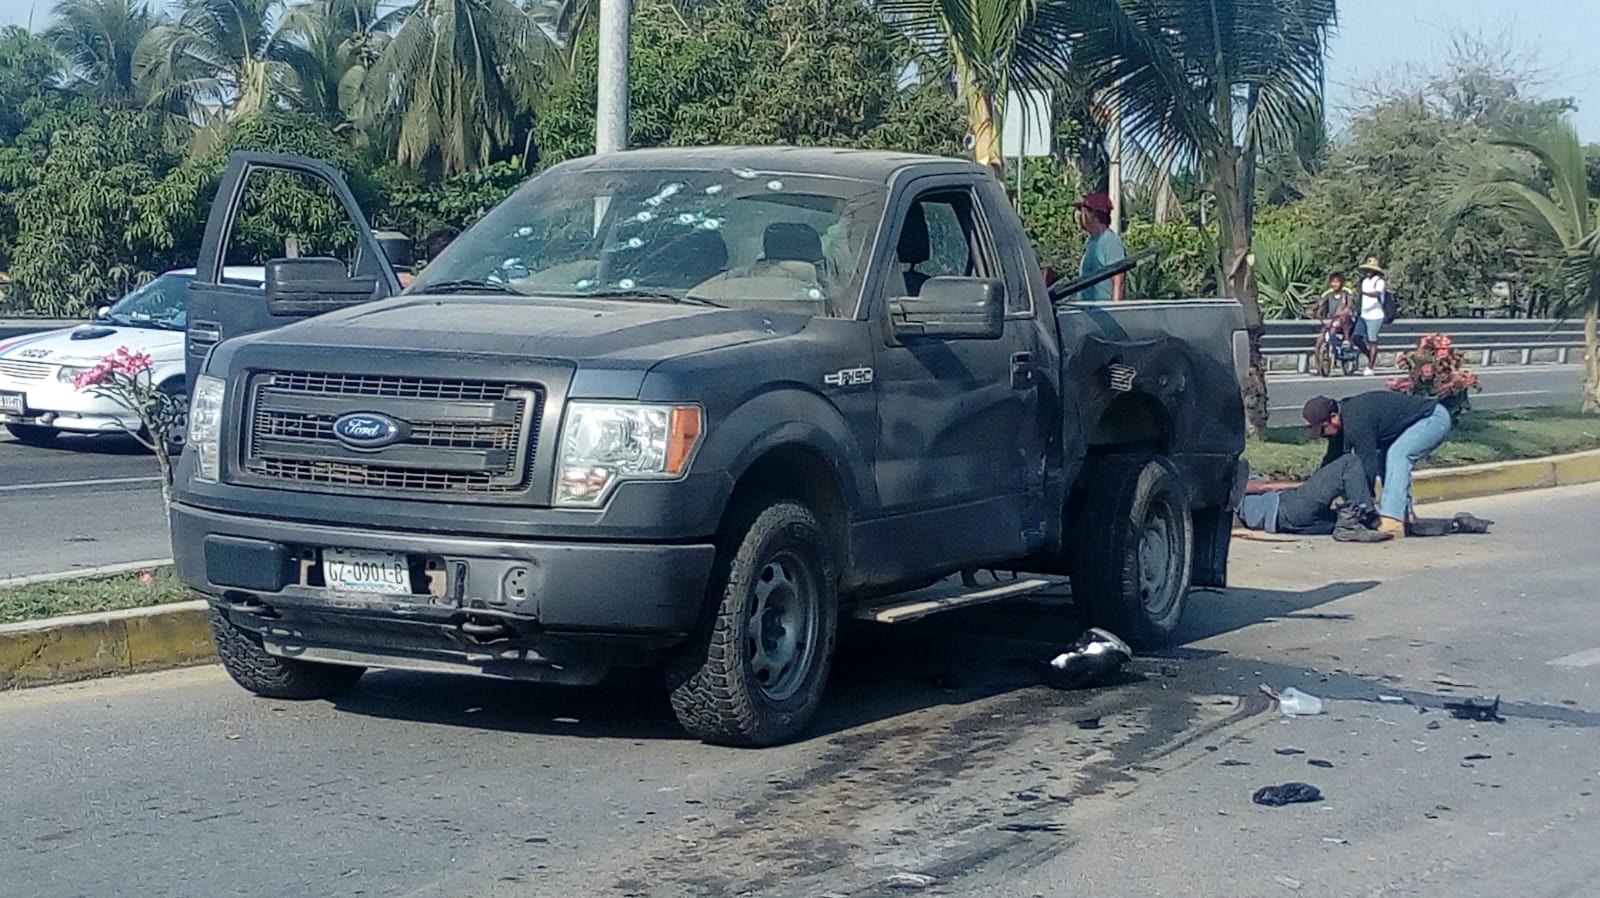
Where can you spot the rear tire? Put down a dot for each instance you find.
(270, 676)
(1323, 359)
(754, 673)
(33, 434)
(1137, 552)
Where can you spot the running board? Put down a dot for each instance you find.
(946, 596)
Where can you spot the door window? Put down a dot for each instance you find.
(290, 214)
(940, 236)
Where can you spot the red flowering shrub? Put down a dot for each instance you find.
(1436, 369)
(127, 378)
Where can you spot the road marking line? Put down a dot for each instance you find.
(1585, 658)
(64, 484)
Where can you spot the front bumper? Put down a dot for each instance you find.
(50, 403)
(522, 609)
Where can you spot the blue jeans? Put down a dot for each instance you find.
(1414, 444)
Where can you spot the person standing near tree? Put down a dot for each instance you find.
(1104, 248)
(1373, 286)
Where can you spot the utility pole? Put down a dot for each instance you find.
(611, 100)
(1114, 161)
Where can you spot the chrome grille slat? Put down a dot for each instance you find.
(23, 370)
(290, 434)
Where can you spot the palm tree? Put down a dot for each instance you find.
(444, 90)
(1540, 179)
(99, 39)
(232, 57)
(990, 48)
(343, 40)
(1217, 83)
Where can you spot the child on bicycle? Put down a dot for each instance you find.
(1337, 308)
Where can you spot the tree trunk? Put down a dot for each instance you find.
(1235, 280)
(985, 133)
(1591, 359)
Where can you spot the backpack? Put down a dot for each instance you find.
(1391, 309)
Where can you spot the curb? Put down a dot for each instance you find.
(1472, 481)
(106, 643)
(106, 570)
(139, 640)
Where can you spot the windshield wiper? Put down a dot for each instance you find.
(642, 293)
(471, 286)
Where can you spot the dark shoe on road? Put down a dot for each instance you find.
(1466, 523)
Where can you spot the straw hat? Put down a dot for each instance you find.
(1372, 265)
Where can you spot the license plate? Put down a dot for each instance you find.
(356, 570)
(12, 404)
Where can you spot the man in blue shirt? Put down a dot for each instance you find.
(1104, 248)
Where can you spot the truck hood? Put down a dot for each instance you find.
(86, 344)
(612, 333)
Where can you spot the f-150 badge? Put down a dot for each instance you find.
(849, 377)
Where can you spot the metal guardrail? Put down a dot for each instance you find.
(1519, 341)
(1287, 344)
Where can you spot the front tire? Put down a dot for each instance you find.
(1137, 552)
(267, 675)
(755, 672)
(33, 434)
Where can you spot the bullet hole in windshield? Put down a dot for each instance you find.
(627, 283)
(744, 173)
(584, 284)
(711, 224)
(713, 190)
(525, 231)
(774, 184)
(634, 243)
(643, 217)
(665, 194)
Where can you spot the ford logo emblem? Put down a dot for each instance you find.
(369, 430)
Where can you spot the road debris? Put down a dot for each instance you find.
(1477, 757)
(1090, 661)
(1289, 751)
(1318, 762)
(1334, 840)
(1089, 723)
(1392, 699)
(1288, 793)
(909, 881)
(1479, 709)
(1295, 703)
(1286, 882)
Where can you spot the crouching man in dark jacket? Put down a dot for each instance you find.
(1389, 432)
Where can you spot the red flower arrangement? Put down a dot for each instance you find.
(1436, 369)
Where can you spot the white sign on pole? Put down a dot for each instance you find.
(1025, 128)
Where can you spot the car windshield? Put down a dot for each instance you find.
(727, 238)
(159, 304)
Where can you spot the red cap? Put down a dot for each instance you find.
(1096, 202)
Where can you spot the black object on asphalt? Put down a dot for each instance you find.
(1288, 793)
(1461, 523)
(1289, 751)
(1090, 661)
(1479, 709)
(1318, 762)
(1089, 723)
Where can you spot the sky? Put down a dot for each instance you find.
(1383, 39)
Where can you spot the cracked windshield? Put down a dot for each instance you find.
(784, 243)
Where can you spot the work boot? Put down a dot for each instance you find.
(1348, 527)
(1467, 523)
(1395, 527)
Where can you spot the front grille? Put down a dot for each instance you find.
(24, 370)
(463, 436)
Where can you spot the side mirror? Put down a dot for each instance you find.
(314, 286)
(397, 248)
(102, 314)
(952, 308)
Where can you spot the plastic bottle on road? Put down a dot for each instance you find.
(1295, 703)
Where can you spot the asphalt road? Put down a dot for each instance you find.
(1503, 387)
(936, 756)
(82, 502)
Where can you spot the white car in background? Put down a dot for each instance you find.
(38, 401)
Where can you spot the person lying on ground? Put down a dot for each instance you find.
(1390, 432)
(1308, 506)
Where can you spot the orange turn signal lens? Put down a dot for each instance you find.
(683, 432)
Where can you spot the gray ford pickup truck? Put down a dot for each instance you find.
(683, 410)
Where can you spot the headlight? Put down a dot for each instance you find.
(205, 426)
(69, 374)
(605, 443)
